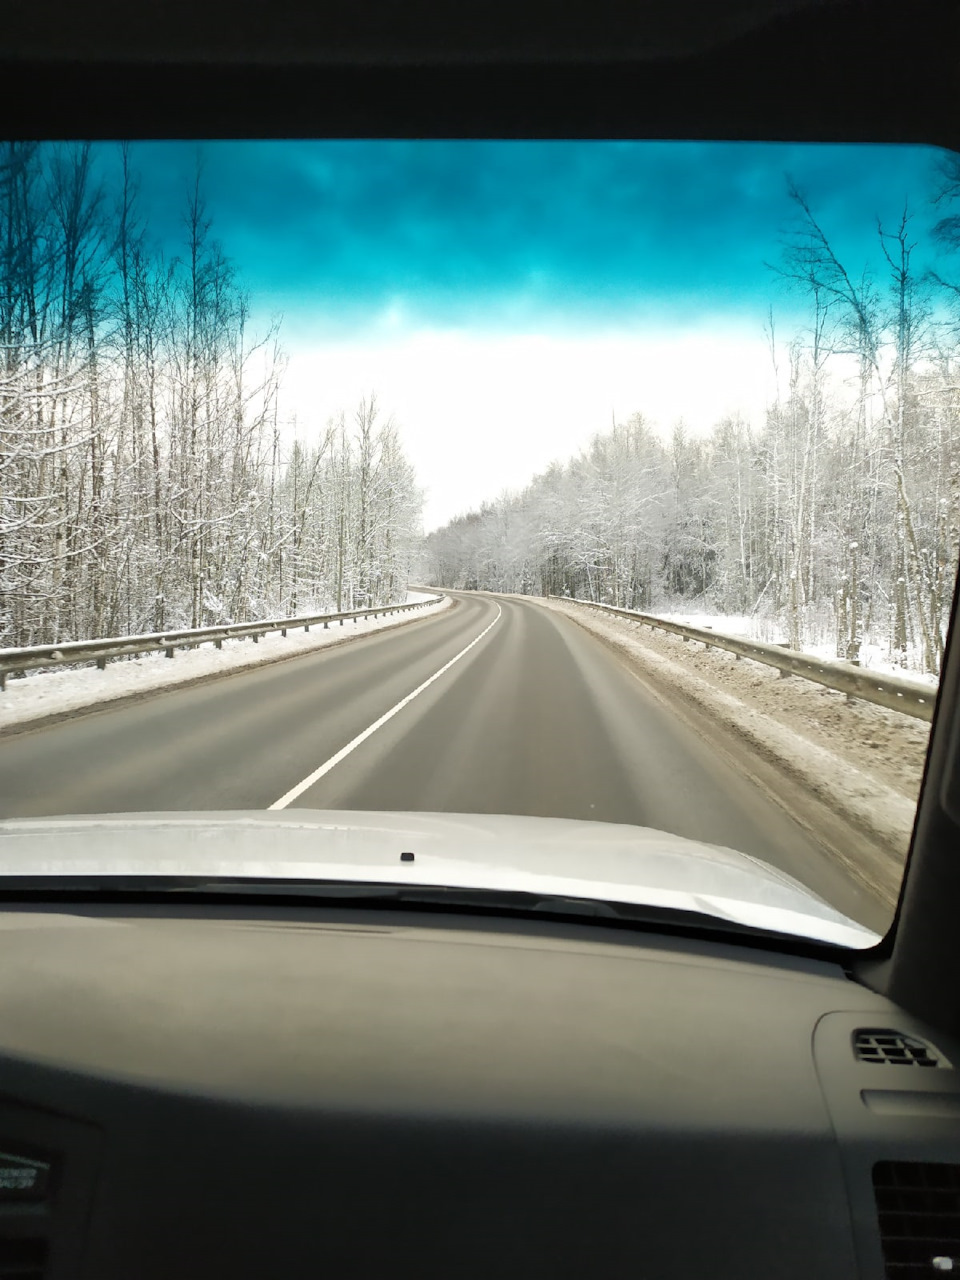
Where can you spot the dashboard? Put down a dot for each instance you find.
(240, 1091)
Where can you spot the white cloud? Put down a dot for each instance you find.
(480, 413)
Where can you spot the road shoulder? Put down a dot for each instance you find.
(863, 821)
(48, 698)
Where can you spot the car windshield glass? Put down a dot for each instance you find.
(570, 518)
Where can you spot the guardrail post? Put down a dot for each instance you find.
(101, 664)
(255, 638)
(218, 644)
(326, 626)
(283, 632)
(169, 651)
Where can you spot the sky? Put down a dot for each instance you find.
(507, 300)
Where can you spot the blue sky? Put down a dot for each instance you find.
(522, 235)
(520, 293)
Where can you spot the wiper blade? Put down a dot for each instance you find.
(372, 894)
(18, 887)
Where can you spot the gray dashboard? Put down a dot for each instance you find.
(240, 1092)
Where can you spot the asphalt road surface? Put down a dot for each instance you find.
(532, 715)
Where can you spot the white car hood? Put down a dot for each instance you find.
(550, 856)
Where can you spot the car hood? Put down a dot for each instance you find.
(549, 856)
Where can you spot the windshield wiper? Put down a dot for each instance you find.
(76, 890)
(21, 888)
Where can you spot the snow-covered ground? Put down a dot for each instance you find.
(40, 694)
(874, 656)
(733, 624)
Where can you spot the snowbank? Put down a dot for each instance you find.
(728, 623)
(872, 656)
(44, 694)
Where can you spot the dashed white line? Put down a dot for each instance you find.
(352, 745)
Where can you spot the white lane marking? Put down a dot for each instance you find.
(317, 774)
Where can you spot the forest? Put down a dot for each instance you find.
(835, 519)
(149, 477)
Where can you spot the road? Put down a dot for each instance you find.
(532, 715)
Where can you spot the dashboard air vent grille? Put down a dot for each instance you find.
(918, 1206)
(22, 1257)
(893, 1048)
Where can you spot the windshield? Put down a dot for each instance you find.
(614, 483)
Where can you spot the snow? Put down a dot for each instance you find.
(42, 694)
(732, 624)
(874, 657)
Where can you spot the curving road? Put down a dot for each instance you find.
(514, 709)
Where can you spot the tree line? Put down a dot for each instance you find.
(148, 477)
(837, 516)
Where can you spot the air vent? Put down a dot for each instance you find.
(919, 1210)
(892, 1048)
(22, 1257)
(25, 1187)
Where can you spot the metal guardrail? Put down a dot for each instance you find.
(75, 652)
(896, 693)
